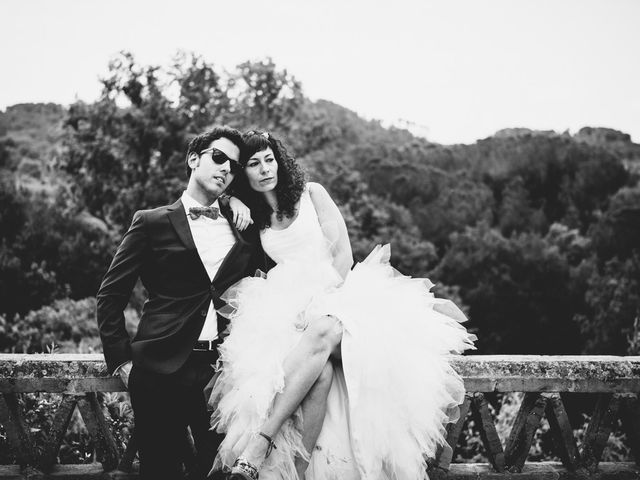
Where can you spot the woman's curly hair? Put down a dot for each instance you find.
(291, 179)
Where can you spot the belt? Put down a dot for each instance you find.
(205, 346)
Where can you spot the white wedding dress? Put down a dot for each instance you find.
(395, 391)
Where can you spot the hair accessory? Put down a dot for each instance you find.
(265, 135)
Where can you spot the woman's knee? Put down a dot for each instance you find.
(325, 332)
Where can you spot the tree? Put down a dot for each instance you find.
(372, 219)
(519, 291)
(203, 97)
(268, 98)
(613, 298)
(126, 151)
(515, 213)
(461, 202)
(120, 159)
(617, 230)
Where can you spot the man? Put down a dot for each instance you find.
(186, 257)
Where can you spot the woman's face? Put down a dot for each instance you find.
(262, 171)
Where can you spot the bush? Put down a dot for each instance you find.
(515, 288)
(613, 298)
(77, 445)
(65, 326)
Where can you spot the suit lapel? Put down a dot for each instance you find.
(178, 218)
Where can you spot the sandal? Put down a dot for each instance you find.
(242, 469)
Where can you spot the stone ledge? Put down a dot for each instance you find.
(458, 471)
(538, 471)
(75, 373)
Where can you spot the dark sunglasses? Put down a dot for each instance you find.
(219, 157)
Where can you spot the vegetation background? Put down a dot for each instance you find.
(536, 234)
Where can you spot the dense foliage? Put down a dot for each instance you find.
(530, 231)
(535, 234)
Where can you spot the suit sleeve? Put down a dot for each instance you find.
(115, 292)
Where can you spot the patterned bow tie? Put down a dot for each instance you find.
(211, 212)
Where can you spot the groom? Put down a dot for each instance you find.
(186, 256)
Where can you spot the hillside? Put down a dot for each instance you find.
(522, 228)
(34, 131)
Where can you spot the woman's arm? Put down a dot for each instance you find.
(241, 213)
(333, 227)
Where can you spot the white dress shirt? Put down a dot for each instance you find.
(214, 239)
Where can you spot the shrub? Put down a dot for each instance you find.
(66, 324)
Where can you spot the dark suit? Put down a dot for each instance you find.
(167, 378)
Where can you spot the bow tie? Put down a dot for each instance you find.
(211, 212)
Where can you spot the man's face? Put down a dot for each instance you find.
(209, 178)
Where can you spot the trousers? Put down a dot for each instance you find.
(165, 408)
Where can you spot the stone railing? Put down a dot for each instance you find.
(615, 381)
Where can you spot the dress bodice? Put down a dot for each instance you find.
(302, 241)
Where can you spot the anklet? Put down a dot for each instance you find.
(272, 444)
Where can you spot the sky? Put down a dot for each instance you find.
(453, 70)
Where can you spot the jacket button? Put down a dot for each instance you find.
(203, 313)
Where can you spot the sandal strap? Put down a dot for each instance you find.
(272, 444)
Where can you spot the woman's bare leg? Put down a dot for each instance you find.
(302, 368)
(314, 407)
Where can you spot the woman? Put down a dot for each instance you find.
(346, 369)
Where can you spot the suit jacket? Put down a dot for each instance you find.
(159, 249)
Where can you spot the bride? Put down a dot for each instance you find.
(329, 372)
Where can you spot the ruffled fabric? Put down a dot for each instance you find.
(267, 321)
(395, 354)
(391, 399)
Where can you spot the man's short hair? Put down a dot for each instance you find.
(202, 141)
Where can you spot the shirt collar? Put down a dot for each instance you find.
(188, 201)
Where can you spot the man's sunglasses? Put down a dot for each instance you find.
(219, 157)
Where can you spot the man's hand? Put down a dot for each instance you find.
(123, 372)
(241, 213)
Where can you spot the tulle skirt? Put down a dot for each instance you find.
(391, 397)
